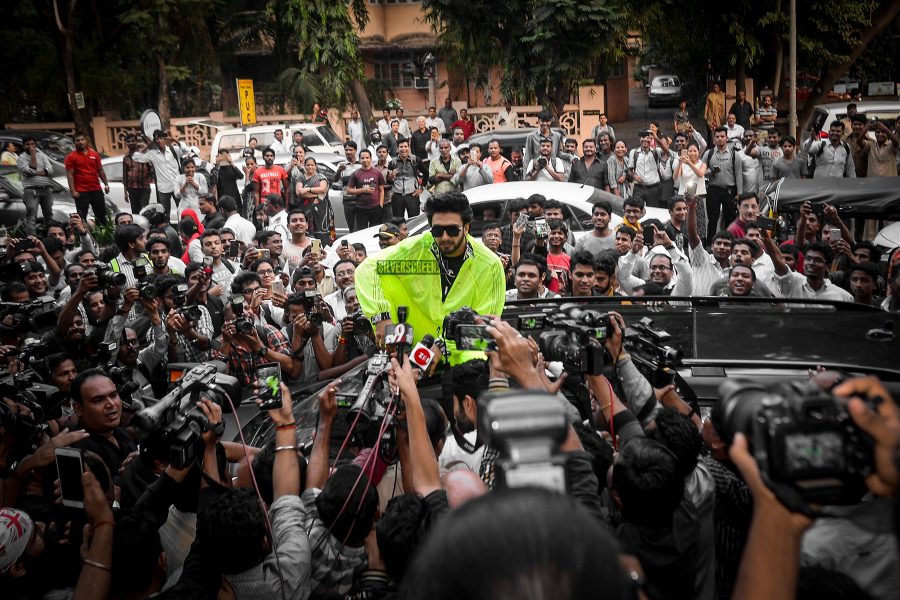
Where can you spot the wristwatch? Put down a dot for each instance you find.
(380, 317)
(262, 352)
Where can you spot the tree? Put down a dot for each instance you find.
(545, 47)
(329, 46)
(65, 32)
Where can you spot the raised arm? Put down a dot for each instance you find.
(426, 477)
(317, 471)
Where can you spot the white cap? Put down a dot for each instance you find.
(15, 533)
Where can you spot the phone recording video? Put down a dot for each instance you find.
(268, 380)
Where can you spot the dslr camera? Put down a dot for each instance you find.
(310, 298)
(529, 447)
(802, 438)
(145, 286)
(460, 327)
(106, 277)
(361, 323)
(576, 337)
(179, 299)
(241, 323)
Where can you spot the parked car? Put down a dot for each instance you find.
(12, 207)
(664, 89)
(317, 137)
(53, 144)
(577, 201)
(826, 114)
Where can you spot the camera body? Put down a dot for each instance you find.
(802, 438)
(541, 229)
(576, 339)
(527, 429)
(310, 298)
(361, 324)
(36, 315)
(146, 288)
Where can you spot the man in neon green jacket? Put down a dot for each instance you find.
(433, 274)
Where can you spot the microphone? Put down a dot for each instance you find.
(422, 354)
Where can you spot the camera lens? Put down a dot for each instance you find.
(739, 401)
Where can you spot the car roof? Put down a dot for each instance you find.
(272, 127)
(552, 190)
(861, 106)
(659, 77)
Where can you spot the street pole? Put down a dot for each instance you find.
(792, 92)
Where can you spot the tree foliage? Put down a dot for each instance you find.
(545, 48)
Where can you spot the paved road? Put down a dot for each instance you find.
(640, 117)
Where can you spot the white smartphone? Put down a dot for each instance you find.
(278, 286)
(70, 467)
(834, 235)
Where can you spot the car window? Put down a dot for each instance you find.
(479, 221)
(237, 141)
(328, 134)
(326, 171)
(311, 138)
(12, 183)
(113, 171)
(264, 139)
(575, 217)
(58, 143)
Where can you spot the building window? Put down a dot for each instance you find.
(619, 69)
(393, 69)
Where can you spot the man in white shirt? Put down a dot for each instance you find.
(708, 268)
(545, 167)
(278, 145)
(223, 270)
(404, 124)
(384, 123)
(669, 268)
(243, 229)
(432, 120)
(297, 241)
(189, 186)
(734, 131)
(643, 164)
(355, 129)
(274, 207)
(344, 277)
(813, 283)
(507, 118)
(166, 167)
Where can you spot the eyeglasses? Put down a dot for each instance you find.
(250, 291)
(131, 343)
(452, 230)
(266, 272)
(660, 268)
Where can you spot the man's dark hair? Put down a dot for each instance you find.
(296, 211)
(400, 531)
(263, 465)
(491, 225)
(538, 199)
(28, 138)
(604, 204)
(648, 483)
(743, 266)
(54, 360)
(264, 236)
(455, 202)
(675, 200)
(348, 504)
(754, 247)
(551, 203)
(516, 205)
(747, 196)
(534, 260)
(435, 420)
(819, 247)
(227, 204)
(555, 224)
(679, 434)
(874, 251)
(651, 288)
(276, 200)
(164, 282)
(210, 233)
(582, 257)
(351, 144)
(468, 378)
(789, 139)
(341, 262)
(545, 116)
(243, 278)
(365, 151)
(867, 268)
(633, 201)
(187, 226)
(724, 234)
(627, 230)
(398, 221)
(607, 261)
(233, 529)
(159, 239)
(720, 128)
(78, 382)
(127, 234)
(136, 550)
(358, 247)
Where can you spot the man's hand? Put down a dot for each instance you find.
(616, 336)
(213, 413)
(380, 329)
(637, 244)
(402, 378)
(805, 210)
(831, 214)
(328, 401)
(883, 424)
(96, 506)
(285, 414)
(130, 296)
(661, 238)
(514, 355)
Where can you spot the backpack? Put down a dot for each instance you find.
(708, 155)
(654, 152)
(811, 164)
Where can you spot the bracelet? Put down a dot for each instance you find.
(341, 340)
(94, 563)
(99, 523)
(284, 426)
(280, 448)
(604, 407)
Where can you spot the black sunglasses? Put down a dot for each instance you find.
(438, 230)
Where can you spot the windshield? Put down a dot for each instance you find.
(60, 144)
(328, 134)
(11, 180)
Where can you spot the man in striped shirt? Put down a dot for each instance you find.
(35, 171)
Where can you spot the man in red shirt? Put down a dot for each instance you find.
(85, 171)
(270, 179)
(748, 211)
(464, 123)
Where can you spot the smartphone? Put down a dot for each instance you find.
(648, 231)
(73, 215)
(834, 234)
(70, 467)
(345, 243)
(207, 261)
(522, 220)
(278, 286)
(268, 378)
(264, 253)
(541, 229)
(234, 249)
(316, 246)
(474, 337)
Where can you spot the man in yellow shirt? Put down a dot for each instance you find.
(433, 274)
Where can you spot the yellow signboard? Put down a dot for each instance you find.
(246, 101)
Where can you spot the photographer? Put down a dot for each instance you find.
(143, 361)
(353, 342)
(189, 338)
(198, 293)
(546, 166)
(98, 406)
(223, 270)
(310, 339)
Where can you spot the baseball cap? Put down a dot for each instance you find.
(15, 533)
(388, 230)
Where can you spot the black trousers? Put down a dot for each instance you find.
(367, 217)
(95, 201)
(350, 210)
(139, 198)
(719, 200)
(408, 203)
(650, 194)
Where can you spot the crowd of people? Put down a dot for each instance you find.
(660, 503)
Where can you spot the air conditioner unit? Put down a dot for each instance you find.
(421, 83)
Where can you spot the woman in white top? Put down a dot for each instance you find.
(432, 146)
(689, 170)
(189, 186)
(618, 172)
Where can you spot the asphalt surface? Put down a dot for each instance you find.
(641, 115)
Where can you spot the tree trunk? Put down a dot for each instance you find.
(740, 74)
(80, 116)
(165, 112)
(358, 92)
(879, 23)
(779, 55)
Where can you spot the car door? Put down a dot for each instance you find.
(478, 221)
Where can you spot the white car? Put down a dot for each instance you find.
(826, 114)
(577, 201)
(664, 89)
(317, 137)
